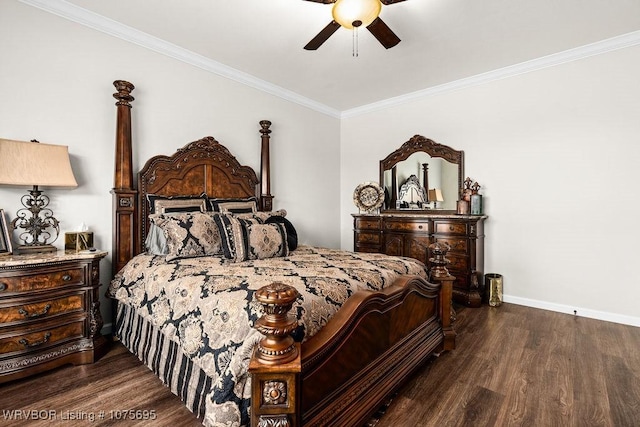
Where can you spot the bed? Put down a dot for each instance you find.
(251, 333)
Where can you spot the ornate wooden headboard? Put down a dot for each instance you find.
(203, 166)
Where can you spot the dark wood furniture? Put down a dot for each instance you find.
(49, 312)
(410, 234)
(342, 374)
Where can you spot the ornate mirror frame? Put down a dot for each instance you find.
(419, 143)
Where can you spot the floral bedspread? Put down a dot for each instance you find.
(206, 305)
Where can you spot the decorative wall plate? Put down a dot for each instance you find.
(368, 196)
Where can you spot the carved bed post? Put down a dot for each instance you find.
(275, 367)
(124, 195)
(266, 199)
(439, 273)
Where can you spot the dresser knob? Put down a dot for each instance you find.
(66, 277)
(451, 228)
(3, 286)
(420, 227)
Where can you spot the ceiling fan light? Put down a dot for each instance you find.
(346, 12)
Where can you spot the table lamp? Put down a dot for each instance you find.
(35, 164)
(435, 196)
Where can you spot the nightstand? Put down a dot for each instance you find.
(49, 312)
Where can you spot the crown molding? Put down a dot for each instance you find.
(116, 29)
(597, 48)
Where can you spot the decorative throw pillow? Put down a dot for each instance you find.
(244, 239)
(262, 216)
(292, 234)
(246, 205)
(156, 243)
(159, 204)
(189, 234)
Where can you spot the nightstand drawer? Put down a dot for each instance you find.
(34, 340)
(43, 309)
(442, 227)
(36, 282)
(407, 226)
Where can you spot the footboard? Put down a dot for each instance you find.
(356, 361)
(367, 350)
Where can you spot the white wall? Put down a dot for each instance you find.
(56, 86)
(556, 152)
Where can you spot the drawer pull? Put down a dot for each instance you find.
(451, 228)
(28, 315)
(3, 286)
(66, 277)
(28, 344)
(420, 227)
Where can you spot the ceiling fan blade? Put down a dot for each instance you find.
(322, 36)
(386, 2)
(383, 33)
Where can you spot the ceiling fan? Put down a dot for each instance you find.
(353, 14)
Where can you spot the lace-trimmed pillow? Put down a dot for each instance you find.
(189, 234)
(246, 240)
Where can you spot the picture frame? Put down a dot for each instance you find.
(5, 236)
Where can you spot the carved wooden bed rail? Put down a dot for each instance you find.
(277, 368)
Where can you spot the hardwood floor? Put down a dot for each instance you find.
(513, 365)
(519, 366)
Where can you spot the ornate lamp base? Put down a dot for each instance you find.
(40, 227)
(34, 249)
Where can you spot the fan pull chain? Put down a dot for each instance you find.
(354, 48)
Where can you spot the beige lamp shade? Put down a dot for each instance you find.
(346, 12)
(435, 195)
(34, 163)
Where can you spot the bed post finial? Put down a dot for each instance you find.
(266, 199)
(124, 195)
(124, 89)
(278, 346)
(276, 363)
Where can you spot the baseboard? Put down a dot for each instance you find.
(577, 311)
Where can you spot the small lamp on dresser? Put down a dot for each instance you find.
(35, 164)
(435, 196)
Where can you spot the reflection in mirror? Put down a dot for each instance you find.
(440, 174)
(420, 162)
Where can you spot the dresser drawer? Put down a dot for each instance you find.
(28, 341)
(36, 282)
(25, 312)
(373, 238)
(456, 244)
(368, 223)
(407, 226)
(457, 262)
(447, 227)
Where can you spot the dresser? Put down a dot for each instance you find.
(49, 312)
(410, 234)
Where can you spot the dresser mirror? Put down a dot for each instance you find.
(422, 175)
